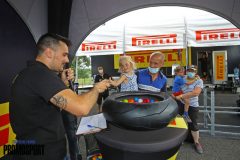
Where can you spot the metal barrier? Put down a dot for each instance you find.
(209, 115)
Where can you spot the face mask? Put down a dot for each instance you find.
(153, 70)
(100, 71)
(191, 74)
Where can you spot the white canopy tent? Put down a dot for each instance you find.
(160, 28)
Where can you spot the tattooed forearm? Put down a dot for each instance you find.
(60, 102)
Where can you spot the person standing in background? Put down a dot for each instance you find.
(236, 75)
(204, 66)
(70, 123)
(98, 78)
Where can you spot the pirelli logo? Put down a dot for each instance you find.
(154, 40)
(99, 46)
(218, 34)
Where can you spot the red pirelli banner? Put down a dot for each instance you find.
(99, 46)
(141, 58)
(220, 66)
(154, 40)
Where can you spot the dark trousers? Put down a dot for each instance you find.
(102, 96)
(91, 144)
(70, 125)
(193, 115)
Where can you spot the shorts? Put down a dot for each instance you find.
(193, 115)
(178, 93)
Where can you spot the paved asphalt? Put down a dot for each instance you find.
(215, 148)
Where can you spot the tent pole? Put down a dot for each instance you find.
(124, 53)
(185, 41)
(76, 70)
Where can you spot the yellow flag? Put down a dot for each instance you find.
(7, 135)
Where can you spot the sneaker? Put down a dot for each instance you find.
(199, 148)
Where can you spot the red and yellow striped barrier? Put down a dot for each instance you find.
(7, 135)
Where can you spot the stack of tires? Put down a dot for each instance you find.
(143, 131)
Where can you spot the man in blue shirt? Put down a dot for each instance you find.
(151, 78)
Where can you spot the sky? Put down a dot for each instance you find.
(163, 13)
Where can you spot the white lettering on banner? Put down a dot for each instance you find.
(153, 40)
(98, 46)
(218, 34)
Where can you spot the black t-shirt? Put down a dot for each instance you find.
(99, 78)
(32, 115)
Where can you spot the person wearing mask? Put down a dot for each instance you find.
(192, 92)
(152, 79)
(179, 82)
(39, 94)
(98, 78)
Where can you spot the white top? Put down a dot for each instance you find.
(189, 88)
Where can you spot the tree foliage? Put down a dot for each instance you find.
(84, 66)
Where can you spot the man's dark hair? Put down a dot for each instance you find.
(50, 40)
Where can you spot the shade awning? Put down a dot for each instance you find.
(199, 29)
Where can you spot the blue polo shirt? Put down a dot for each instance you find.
(145, 81)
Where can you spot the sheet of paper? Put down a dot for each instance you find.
(91, 124)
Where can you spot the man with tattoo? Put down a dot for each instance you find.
(38, 95)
